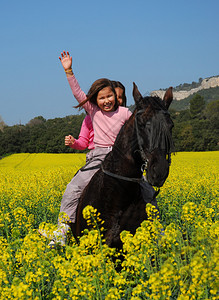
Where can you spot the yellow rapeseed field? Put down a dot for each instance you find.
(176, 257)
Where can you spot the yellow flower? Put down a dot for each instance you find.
(176, 257)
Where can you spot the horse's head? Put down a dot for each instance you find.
(153, 127)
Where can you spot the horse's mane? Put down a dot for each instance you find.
(158, 119)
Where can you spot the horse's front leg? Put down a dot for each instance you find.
(112, 234)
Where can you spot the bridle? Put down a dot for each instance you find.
(140, 145)
(143, 156)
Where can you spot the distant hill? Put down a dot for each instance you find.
(182, 94)
(209, 95)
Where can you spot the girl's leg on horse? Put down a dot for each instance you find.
(72, 194)
(69, 205)
(73, 225)
(75, 188)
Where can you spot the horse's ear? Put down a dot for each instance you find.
(168, 97)
(136, 94)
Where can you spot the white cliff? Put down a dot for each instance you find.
(206, 83)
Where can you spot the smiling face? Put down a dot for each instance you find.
(106, 99)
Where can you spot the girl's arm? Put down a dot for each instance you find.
(85, 136)
(66, 61)
(79, 144)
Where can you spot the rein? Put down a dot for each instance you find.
(122, 177)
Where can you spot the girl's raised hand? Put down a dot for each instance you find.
(66, 60)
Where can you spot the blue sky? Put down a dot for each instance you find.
(156, 44)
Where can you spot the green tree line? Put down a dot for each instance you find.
(40, 135)
(195, 129)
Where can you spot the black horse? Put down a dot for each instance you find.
(144, 143)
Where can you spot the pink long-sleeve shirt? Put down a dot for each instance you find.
(86, 136)
(106, 125)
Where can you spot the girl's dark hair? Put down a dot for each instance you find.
(120, 85)
(97, 86)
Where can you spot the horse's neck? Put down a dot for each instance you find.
(121, 160)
